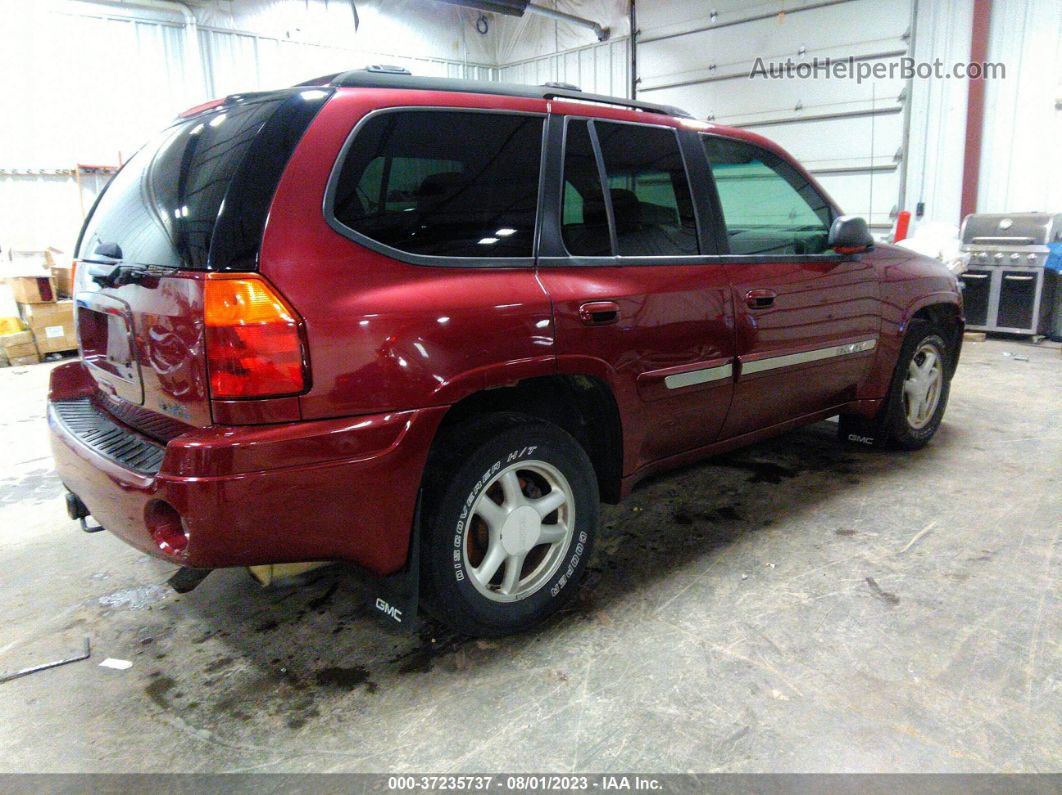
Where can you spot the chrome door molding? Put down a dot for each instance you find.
(804, 357)
(703, 376)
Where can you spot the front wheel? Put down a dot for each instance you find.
(512, 507)
(920, 390)
(918, 394)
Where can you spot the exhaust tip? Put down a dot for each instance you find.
(166, 528)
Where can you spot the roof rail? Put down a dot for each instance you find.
(377, 77)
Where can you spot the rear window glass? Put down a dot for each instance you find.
(650, 194)
(444, 183)
(652, 208)
(162, 206)
(584, 215)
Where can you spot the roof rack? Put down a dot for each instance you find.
(390, 77)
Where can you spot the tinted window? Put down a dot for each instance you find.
(161, 207)
(585, 229)
(444, 183)
(648, 191)
(768, 206)
(650, 195)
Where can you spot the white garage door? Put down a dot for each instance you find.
(849, 134)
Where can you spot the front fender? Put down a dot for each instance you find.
(935, 298)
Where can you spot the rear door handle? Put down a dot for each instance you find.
(760, 299)
(599, 313)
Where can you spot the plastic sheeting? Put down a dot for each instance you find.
(418, 28)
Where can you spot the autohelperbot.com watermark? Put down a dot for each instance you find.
(904, 68)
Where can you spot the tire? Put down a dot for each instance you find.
(898, 424)
(472, 578)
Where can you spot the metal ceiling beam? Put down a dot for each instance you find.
(600, 31)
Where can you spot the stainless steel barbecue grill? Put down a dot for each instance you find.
(1006, 286)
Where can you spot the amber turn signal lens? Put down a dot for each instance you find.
(254, 348)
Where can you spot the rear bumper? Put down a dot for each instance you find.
(323, 490)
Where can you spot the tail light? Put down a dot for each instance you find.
(253, 339)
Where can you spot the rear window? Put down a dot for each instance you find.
(651, 201)
(649, 194)
(443, 183)
(585, 230)
(163, 207)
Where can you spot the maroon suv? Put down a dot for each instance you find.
(425, 325)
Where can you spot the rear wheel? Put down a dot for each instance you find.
(512, 507)
(918, 394)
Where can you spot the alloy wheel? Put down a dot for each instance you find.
(519, 530)
(922, 386)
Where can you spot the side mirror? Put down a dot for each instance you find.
(849, 235)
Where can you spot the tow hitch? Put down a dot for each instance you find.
(76, 510)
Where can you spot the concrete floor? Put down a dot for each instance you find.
(797, 606)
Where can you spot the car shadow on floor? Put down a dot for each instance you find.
(280, 651)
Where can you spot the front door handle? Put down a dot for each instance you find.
(760, 299)
(599, 313)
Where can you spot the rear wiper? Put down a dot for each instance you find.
(116, 274)
(107, 270)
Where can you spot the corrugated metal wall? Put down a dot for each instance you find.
(599, 68)
(1021, 164)
(232, 61)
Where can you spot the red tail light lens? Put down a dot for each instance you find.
(254, 348)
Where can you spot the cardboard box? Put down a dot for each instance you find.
(14, 340)
(36, 256)
(52, 325)
(33, 289)
(62, 275)
(19, 361)
(25, 349)
(38, 315)
(18, 345)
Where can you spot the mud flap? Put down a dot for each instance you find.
(394, 599)
(865, 431)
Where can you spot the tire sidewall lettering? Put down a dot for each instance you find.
(461, 526)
